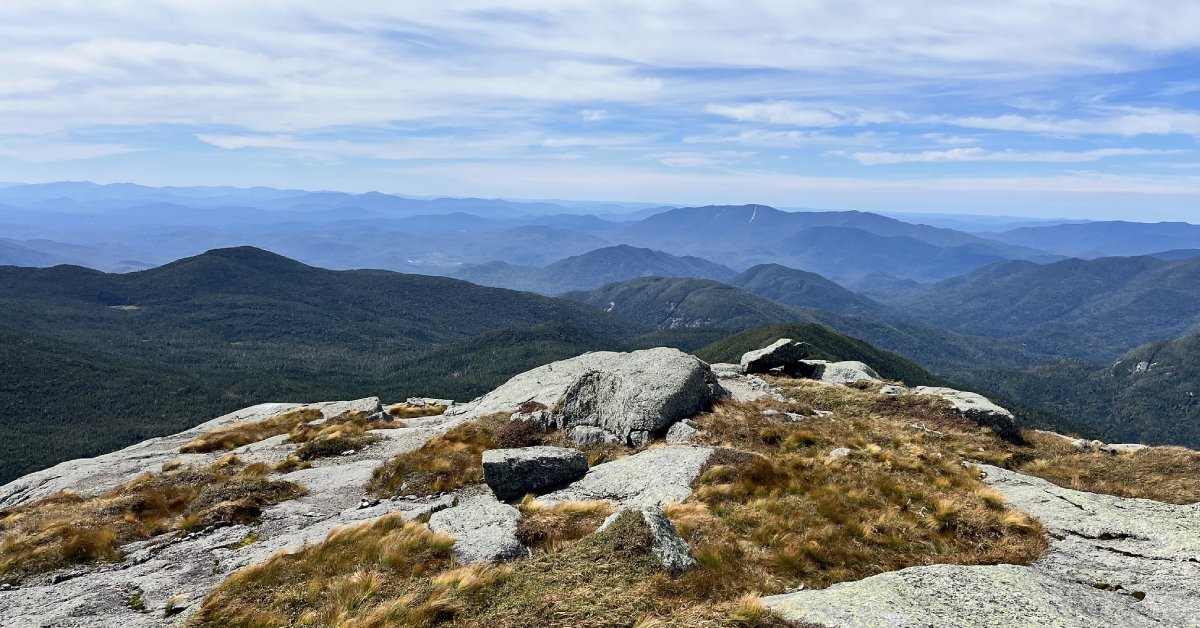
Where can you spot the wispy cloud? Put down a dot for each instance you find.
(1010, 156)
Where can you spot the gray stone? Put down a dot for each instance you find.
(484, 530)
(997, 596)
(839, 372)
(1122, 448)
(682, 433)
(632, 395)
(671, 551)
(654, 477)
(589, 436)
(725, 369)
(514, 473)
(331, 409)
(784, 353)
(975, 407)
(892, 390)
(838, 454)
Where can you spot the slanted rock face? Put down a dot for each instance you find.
(671, 551)
(785, 353)
(514, 473)
(629, 395)
(975, 407)
(654, 477)
(484, 530)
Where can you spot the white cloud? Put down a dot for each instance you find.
(701, 160)
(1126, 122)
(1012, 156)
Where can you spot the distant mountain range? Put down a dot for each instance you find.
(1105, 238)
(592, 270)
(1086, 309)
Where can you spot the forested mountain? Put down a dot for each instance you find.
(135, 354)
(798, 288)
(840, 245)
(1088, 309)
(1106, 238)
(592, 270)
(680, 303)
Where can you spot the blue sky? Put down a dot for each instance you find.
(1085, 109)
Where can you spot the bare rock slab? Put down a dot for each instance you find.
(514, 473)
(484, 529)
(998, 596)
(654, 477)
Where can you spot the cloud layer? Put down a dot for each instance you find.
(635, 99)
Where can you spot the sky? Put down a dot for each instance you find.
(1085, 109)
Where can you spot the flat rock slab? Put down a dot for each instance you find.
(514, 473)
(1000, 596)
(1112, 561)
(484, 529)
(654, 477)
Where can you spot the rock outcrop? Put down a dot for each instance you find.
(632, 396)
(846, 372)
(514, 473)
(975, 407)
(671, 551)
(654, 477)
(1112, 562)
(784, 353)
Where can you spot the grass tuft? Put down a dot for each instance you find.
(67, 529)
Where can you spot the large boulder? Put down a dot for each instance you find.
(631, 396)
(846, 372)
(783, 353)
(484, 530)
(514, 473)
(975, 407)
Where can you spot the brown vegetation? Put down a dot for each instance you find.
(411, 411)
(246, 432)
(550, 526)
(1165, 474)
(445, 463)
(66, 528)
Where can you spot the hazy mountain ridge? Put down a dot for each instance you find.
(592, 270)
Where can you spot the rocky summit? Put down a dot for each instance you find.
(614, 489)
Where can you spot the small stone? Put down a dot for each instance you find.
(367, 503)
(349, 452)
(682, 433)
(770, 412)
(891, 390)
(838, 454)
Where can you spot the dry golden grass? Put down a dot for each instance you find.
(792, 515)
(332, 438)
(550, 526)
(1166, 474)
(409, 411)
(66, 529)
(246, 432)
(373, 574)
(445, 463)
